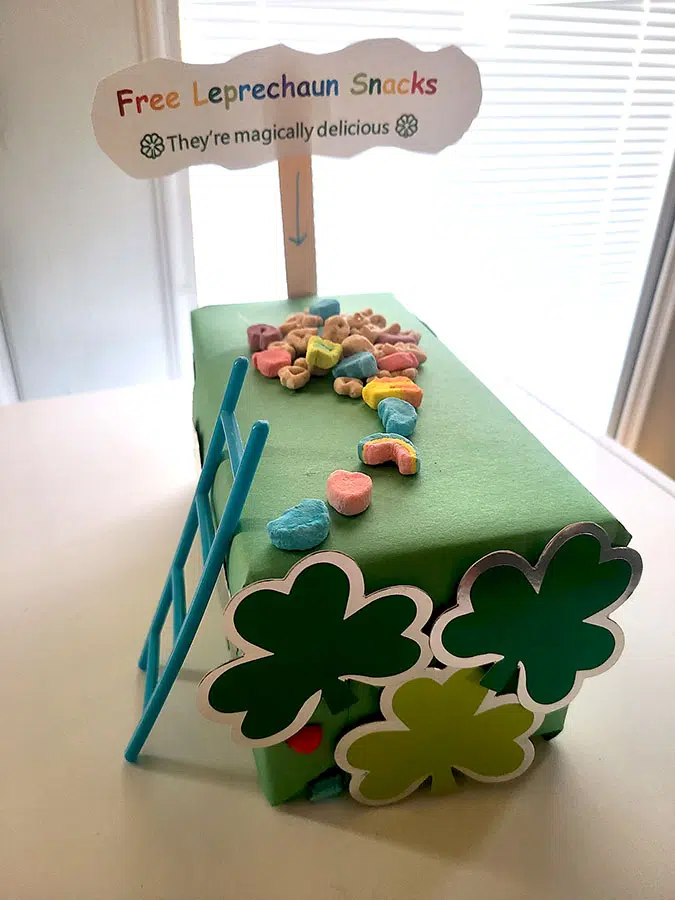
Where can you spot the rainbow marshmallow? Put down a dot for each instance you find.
(381, 448)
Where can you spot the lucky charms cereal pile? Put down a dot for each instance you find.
(367, 358)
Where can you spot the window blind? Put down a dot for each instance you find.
(525, 245)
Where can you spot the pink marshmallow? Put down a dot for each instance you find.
(349, 492)
(405, 337)
(394, 362)
(269, 362)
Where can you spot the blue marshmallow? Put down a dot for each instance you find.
(360, 365)
(301, 527)
(326, 307)
(397, 416)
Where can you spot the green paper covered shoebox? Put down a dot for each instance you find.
(436, 633)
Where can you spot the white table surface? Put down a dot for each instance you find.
(93, 491)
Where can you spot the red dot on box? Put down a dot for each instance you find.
(306, 740)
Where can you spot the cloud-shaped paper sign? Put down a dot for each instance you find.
(161, 116)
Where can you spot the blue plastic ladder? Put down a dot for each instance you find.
(215, 545)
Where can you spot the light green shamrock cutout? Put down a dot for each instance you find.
(441, 721)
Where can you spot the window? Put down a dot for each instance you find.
(525, 245)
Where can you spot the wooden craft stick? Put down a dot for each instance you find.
(297, 214)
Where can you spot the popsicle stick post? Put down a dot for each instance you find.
(297, 215)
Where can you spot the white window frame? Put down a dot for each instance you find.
(654, 324)
(159, 36)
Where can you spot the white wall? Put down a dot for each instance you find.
(79, 268)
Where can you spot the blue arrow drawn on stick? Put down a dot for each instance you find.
(299, 238)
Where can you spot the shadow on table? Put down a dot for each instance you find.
(449, 827)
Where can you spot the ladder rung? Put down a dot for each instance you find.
(205, 519)
(152, 672)
(233, 440)
(178, 593)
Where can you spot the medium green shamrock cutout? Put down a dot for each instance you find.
(303, 637)
(437, 722)
(548, 625)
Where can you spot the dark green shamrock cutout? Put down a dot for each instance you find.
(549, 624)
(302, 638)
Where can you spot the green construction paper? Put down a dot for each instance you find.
(487, 483)
(553, 723)
(311, 639)
(443, 732)
(545, 632)
(284, 774)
